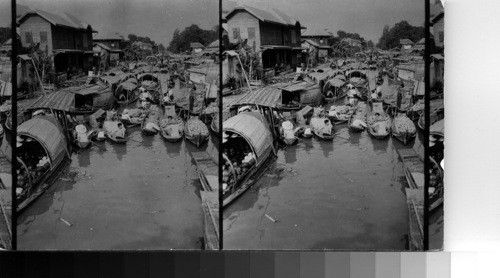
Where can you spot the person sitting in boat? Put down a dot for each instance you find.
(327, 128)
(287, 130)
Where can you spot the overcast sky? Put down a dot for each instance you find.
(365, 17)
(156, 19)
(4, 13)
(159, 18)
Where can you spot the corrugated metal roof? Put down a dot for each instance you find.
(268, 96)
(297, 86)
(108, 36)
(315, 32)
(405, 41)
(63, 19)
(47, 131)
(321, 75)
(62, 101)
(214, 44)
(196, 45)
(269, 15)
(252, 127)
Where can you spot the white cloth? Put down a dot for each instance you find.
(152, 126)
(82, 137)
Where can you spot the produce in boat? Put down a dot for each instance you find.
(340, 114)
(133, 117)
(321, 125)
(403, 128)
(114, 129)
(171, 126)
(196, 131)
(357, 122)
(150, 124)
(379, 123)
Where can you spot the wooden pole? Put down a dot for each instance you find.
(38, 77)
(244, 73)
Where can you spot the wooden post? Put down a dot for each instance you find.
(38, 77)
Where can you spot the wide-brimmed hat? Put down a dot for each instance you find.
(81, 129)
(287, 125)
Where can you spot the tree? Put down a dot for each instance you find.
(181, 40)
(132, 37)
(402, 30)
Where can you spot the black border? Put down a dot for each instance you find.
(426, 126)
(13, 134)
(221, 238)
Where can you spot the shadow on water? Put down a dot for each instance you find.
(354, 138)
(65, 182)
(119, 149)
(173, 149)
(326, 147)
(83, 157)
(380, 145)
(290, 154)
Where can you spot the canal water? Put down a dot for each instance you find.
(345, 194)
(140, 195)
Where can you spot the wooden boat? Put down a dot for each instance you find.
(214, 125)
(251, 128)
(321, 125)
(305, 132)
(196, 131)
(81, 137)
(334, 90)
(151, 83)
(208, 172)
(287, 133)
(415, 205)
(115, 130)
(403, 128)
(379, 126)
(95, 120)
(38, 169)
(436, 184)
(301, 93)
(357, 122)
(150, 124)
(127, 92)
(437, 129)
(171, 126)
(340, 114)
(5, 203)
(133, 117)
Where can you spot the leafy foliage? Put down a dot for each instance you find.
(181, 40)
(402, 30)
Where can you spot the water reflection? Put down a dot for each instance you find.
(328, 194)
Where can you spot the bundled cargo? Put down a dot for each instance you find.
(196, 131)
(403, 128)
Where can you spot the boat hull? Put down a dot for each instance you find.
(324, 137)
(170, 138)
(198, 139)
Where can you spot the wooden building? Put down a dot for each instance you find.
(275, 34)
(63, 36)
(111, 40)
(437, 23)
(318, 36)
(196, 47)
